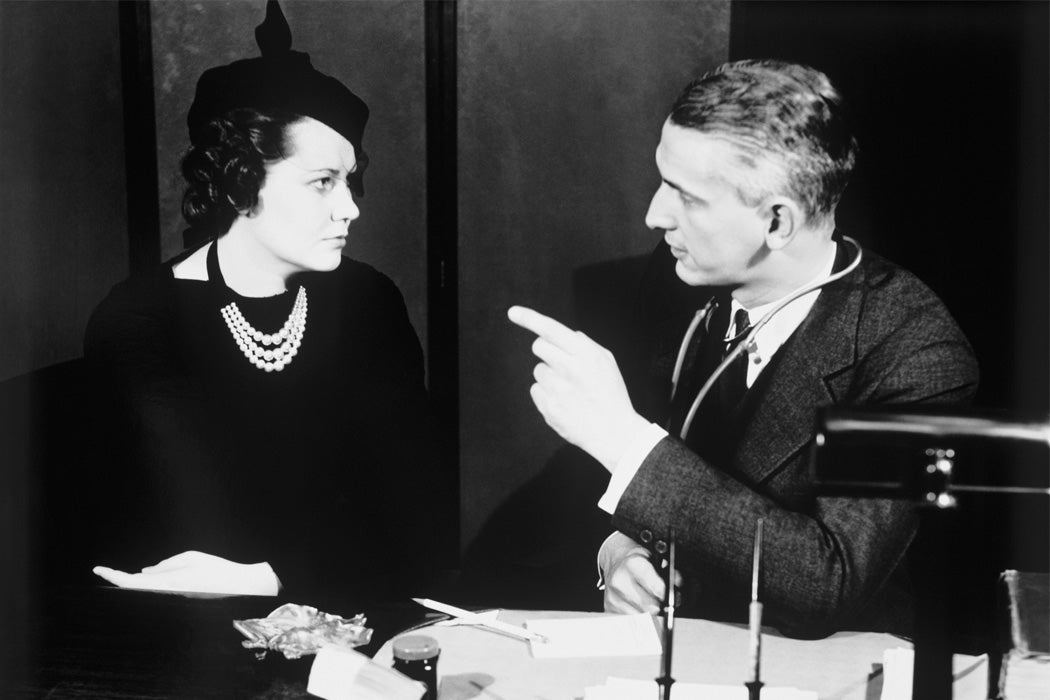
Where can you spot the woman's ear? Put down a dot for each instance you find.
(246, 212)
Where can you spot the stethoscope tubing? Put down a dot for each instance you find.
(703, 314)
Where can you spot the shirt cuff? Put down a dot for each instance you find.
(629, 464)
(598, 562)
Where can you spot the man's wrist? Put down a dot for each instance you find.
(624, 435)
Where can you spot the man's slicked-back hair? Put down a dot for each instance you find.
(784, 113)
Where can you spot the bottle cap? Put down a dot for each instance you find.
(413, 647)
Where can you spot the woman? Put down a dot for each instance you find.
(274, 387)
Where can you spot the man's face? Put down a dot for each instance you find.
(716, 238)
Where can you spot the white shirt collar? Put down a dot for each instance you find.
(780, 327)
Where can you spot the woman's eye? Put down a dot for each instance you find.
(324, 184)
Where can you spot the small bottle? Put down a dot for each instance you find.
(416, 656)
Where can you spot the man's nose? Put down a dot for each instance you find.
(659, 215)
(345, 208)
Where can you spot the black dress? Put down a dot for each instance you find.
(326, 469)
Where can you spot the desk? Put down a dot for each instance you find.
(103, 642)
(476, 663)
(96, 641)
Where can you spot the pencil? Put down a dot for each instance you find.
(474, 618)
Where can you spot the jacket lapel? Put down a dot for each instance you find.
(804, 378)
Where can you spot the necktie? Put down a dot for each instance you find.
(733, 382)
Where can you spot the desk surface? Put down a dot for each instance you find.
(477, 663)
(90, 642)
(97, 641)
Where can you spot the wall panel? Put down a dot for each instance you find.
(561, 105)
(63, 213)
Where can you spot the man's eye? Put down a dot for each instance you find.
(688, 199)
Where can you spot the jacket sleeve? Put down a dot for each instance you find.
(824, 559)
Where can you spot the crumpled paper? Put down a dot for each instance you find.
(296, 630)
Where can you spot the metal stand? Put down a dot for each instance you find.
(932, 674)
(665, 680)
(892, 453)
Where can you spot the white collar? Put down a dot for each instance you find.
(780, 327)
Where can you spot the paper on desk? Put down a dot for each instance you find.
(613, 635)
(969, 675)
(632, 689)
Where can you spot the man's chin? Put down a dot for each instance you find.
(689, 275)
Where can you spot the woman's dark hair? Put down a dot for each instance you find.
(226, 167)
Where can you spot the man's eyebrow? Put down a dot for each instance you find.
(681, 190)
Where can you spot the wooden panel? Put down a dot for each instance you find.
(561, 105)
(63, 214)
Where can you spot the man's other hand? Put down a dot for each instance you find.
(632, 583)
(579, 390)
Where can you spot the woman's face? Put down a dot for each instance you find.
(302, 218)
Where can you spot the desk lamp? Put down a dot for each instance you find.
(928, 457)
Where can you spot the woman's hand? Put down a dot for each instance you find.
(197, 572)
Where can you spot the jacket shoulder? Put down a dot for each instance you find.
(906, 335)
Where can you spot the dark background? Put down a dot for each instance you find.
(950, 106)
(558, 109)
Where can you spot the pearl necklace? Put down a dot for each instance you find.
(248, 338)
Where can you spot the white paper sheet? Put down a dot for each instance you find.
(969, 675)
(632, 689)
(614, 635)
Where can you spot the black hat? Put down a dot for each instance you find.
(280, 79)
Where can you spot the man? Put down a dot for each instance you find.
(754, 158)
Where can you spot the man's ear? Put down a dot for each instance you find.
(784, 219)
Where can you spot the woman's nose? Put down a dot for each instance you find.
(345, 208)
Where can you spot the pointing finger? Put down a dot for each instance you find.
(543, 326)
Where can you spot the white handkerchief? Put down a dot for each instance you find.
(612, 635)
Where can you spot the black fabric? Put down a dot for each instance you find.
(701, 358)
(325, 469)
(735, 383)
(280, 79)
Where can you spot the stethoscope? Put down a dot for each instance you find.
(703, 315)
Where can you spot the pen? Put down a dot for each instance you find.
(474, 618)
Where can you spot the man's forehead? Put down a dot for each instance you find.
(712, 140)
(694, 150)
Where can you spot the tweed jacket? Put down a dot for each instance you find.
(878, 336)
